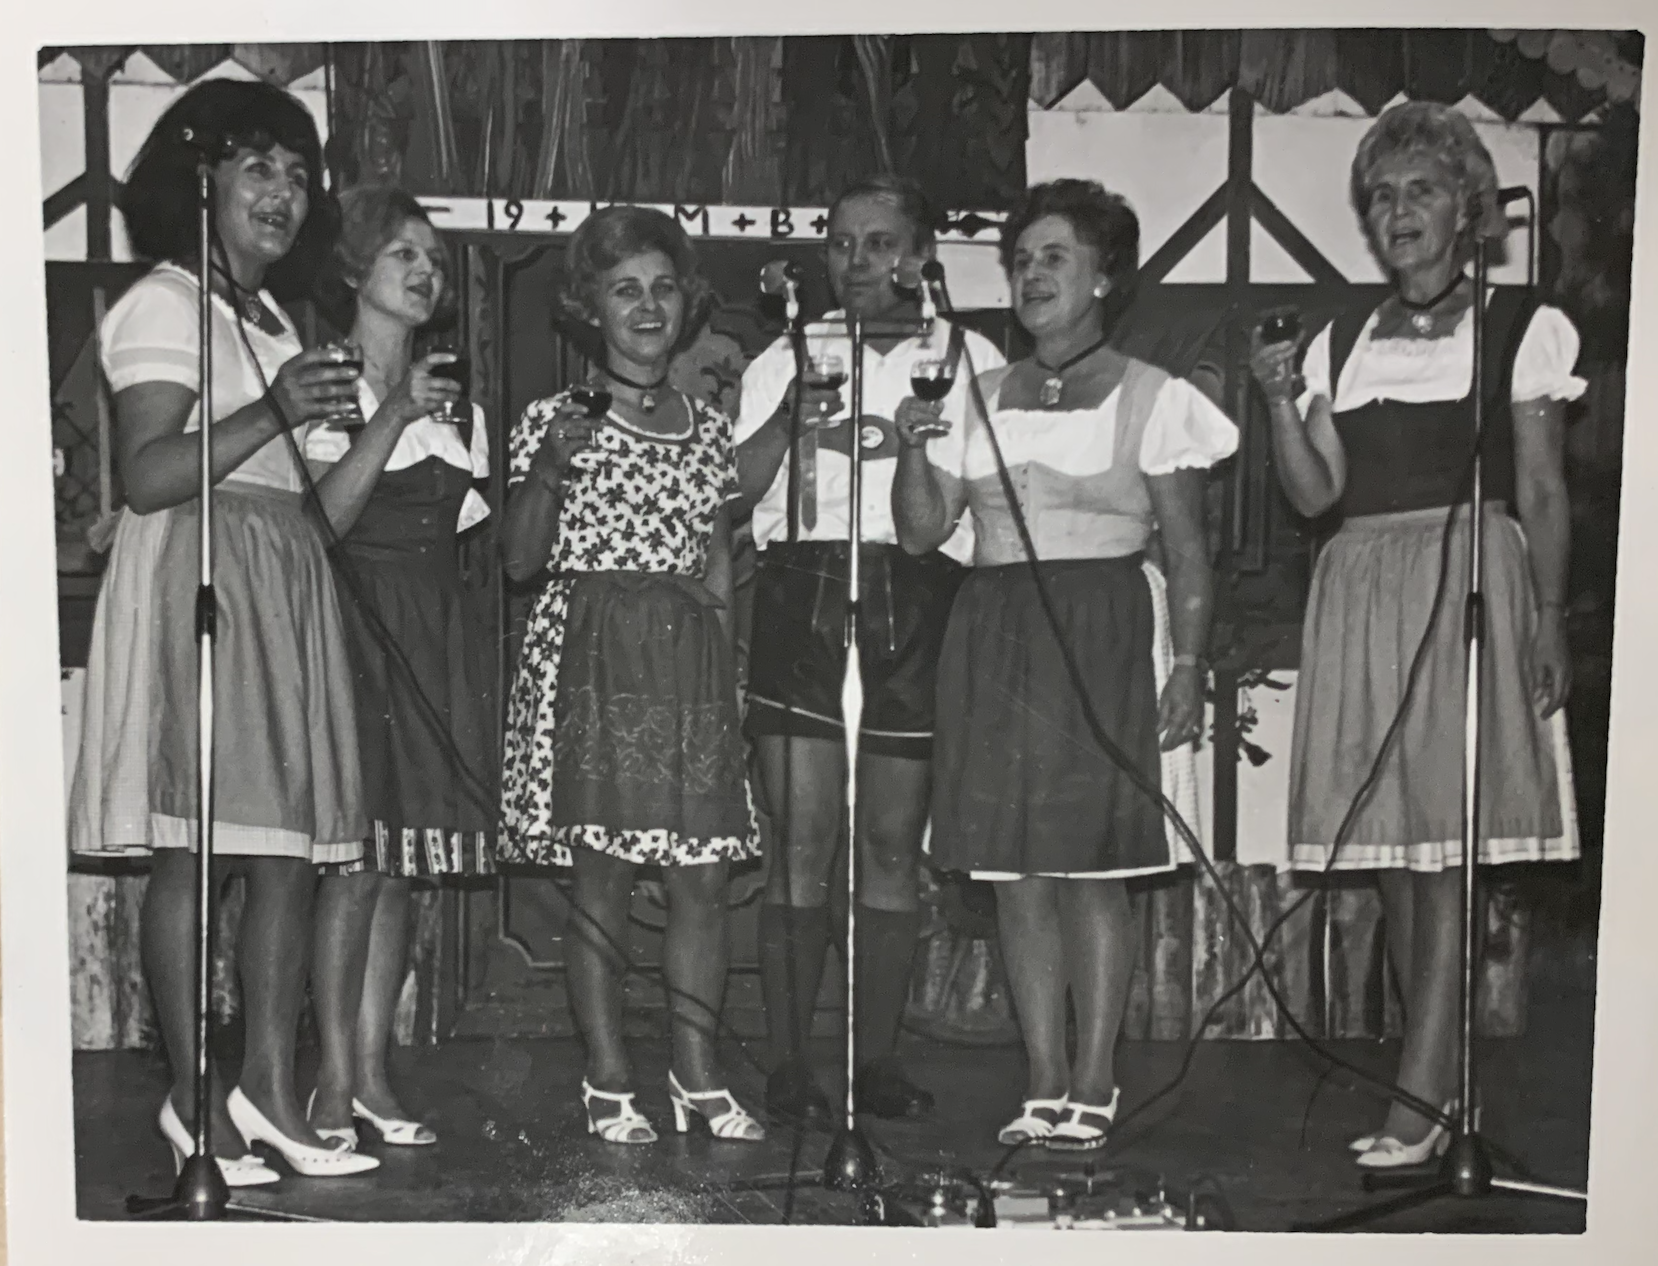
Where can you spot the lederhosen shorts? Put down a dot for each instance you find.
(797, 656)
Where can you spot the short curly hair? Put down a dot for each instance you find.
(370, 216)
(1446, 136)
(158, 198)
(1102, 219)
(909, 196)
(613, 234)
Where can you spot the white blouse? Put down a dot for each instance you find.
(1422, 371)
(1184, 430)
(1079, 474)
(152, 334)
(422, 438)
(886, 383)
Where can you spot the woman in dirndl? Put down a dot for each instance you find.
(287, 789)
(623, 744)
(399, 492)
(1102, 452)
(1381, 433)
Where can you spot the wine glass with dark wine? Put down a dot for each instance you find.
(827, 370)
(596, 401)
(932, 380)
(458, 371)
(348, 415)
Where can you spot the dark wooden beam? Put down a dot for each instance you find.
(1294, 241)
(64, 201)
(1183, 241)
(100, 190)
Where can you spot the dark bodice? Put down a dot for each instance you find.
(1417, 456)
(412, 515)
(1403, 457)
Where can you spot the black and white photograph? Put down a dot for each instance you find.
(919, 629)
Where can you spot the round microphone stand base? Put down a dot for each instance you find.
(850, 1163)
(200, 1195)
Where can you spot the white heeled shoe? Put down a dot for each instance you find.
(240, 1171)
(1027, 1127)
(397, 1132)
(342, 1138)
(1075, 1134)
(627, 1126)
(312, 1162)
(1388, 1152)
(734, 1123)
(1360, 1145)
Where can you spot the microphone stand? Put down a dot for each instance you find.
(850, 1163)
(201, 1194)
(1466, 1170)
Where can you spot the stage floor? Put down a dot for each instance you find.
(513, 1149)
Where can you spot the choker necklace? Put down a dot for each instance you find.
(246, 302)
(647, 390)
(1421, 314)
(1054, 386)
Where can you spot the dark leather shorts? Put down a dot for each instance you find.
(797, 654)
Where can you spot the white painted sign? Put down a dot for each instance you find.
(967, 249)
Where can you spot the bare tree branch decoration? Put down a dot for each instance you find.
(875, 62)
(751, 164)
(563, 120)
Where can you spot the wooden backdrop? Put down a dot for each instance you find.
(733, 121)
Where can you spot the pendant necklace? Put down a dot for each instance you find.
(1054, 385)
(1422, 315)
(647, 390)
(247, 302)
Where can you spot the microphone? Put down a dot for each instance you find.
(1512, 193)
(920, 275)
(212, 146)
(783, 276)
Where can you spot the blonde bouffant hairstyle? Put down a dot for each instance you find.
(1446, 136)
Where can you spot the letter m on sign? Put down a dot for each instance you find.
(693, 215)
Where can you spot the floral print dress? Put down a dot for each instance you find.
(649, 769)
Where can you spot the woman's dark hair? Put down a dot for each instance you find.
(912, 201)
(369, 217)
(158, 200)
(613, 234)
(1102, 219)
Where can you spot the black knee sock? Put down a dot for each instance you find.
(885, 961)
(793, 945)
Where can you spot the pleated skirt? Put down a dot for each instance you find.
(430, 770)
(287, 778)
(1370, 605)
(1021, 786)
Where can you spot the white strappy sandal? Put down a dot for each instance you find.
(1074, 1134)
(734, 1123)
(344, 1138)
(1027, 1127)
(395, 1130)
(627, 1126)
(1361, 1145)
